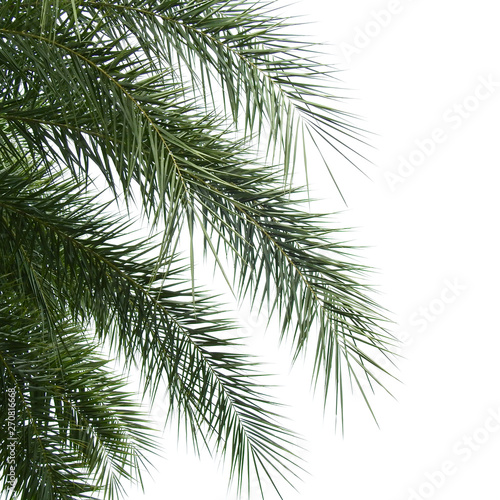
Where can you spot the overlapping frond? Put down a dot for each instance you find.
(163, 100)
(72, 428)
(71, 263)
(270, 80)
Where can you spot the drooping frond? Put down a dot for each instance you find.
(70, 262)
(166, 101)
(72, 428)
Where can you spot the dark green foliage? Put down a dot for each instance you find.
(163, 102)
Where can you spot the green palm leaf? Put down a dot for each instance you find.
(165, 104)
(76, 431)
(70, 264)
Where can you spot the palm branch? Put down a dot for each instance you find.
(167, 103)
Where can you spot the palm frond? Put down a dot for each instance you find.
(73, 429)
(271, 81)
(145, 313)
(170, 102)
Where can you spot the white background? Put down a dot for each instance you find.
(432, 236)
